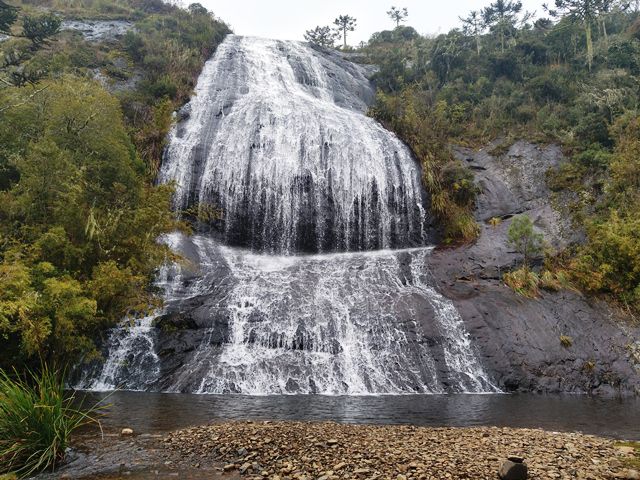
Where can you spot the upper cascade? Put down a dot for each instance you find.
(276, 139)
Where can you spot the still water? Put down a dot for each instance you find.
(159, 412)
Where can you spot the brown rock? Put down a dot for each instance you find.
(511, 470)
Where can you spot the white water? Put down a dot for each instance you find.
(284, 151)
(277, 138)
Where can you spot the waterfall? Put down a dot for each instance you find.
(308, 273)
(276, 139)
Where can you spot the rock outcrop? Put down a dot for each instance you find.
(519, 338)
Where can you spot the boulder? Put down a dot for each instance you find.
(513, 470)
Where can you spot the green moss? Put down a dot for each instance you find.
(634, 460)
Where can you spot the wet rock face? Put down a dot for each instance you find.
(98, 30)
(334, 324)
(517, 338)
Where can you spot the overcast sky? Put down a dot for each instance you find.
(288, 19)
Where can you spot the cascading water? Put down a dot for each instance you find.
(277, 139)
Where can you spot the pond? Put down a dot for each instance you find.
(161, 412)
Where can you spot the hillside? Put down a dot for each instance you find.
(85, 108)
(500, 78)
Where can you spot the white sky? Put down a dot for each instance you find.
(288, 19)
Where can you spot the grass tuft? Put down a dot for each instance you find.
(566, 341)
(37, 418)
(523, 281)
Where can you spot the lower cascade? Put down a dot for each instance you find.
(345, 323)
(314, 278)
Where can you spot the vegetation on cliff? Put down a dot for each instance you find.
(82, 129)
(571, 79)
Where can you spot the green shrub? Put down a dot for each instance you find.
(523, 237)
(36, 422)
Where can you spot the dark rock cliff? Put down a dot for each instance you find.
(519, 338)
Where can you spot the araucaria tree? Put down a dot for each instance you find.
(323, 36)
(585, 12)
(344, 24)
(38, 29)
(501, 17)
(473, 25)
(523, 237)
(398, 15)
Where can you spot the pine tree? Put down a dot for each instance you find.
(323, 36)
(473, 25)
(501, 17)
(344, 24)
(398, 15)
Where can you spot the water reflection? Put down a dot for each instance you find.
(157, 412)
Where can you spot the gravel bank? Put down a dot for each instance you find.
(298, 450)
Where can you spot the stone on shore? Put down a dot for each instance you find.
(513, 469)
(332, 451)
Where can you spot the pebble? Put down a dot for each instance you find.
(298, 450)
(126, 432)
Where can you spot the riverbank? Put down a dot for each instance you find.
(330, 450)
(313, 450)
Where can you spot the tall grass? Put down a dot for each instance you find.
(37, 418)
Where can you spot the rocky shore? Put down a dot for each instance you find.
(324, 451)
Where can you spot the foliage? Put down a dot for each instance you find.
(398, 15)
(523, 281)
(78, 248)
(345, 24)
(610, 260)
(39, 29)
(501, 17)
(424, 127)
(523, 237)
(37, 419)
(323, 36)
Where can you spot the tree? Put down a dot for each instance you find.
(39, 29)
(197, 9)
(605, 8)
(344, 24)
(584, 11)
(501, 16)
(398, 15)
(323, 36)
(8, 16)
(473, 25)
(524, 238)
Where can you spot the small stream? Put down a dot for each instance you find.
(161, 412)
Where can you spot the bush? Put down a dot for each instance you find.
(523, 237)
(523, 281)
(36, 422)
